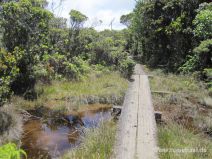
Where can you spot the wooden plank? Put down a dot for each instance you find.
(146, 132)
(125, 147)
(136, 136)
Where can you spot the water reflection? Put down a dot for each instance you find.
(50, 138)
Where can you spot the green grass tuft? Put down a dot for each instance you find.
(72, 94)
(97, 143)
(174, 136)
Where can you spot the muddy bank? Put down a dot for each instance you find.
(51, 134)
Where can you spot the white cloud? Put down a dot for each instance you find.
(104, 10)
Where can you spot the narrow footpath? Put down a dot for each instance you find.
(136, 136)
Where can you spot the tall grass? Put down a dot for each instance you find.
(71, 94)
(97, 143)
(103, 84)
(177, 84)
(179, 99)
(174, 137)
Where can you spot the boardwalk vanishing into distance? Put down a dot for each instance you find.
(136, 136)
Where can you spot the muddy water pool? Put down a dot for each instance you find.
(47, 139)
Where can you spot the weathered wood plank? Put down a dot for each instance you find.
(136, 136)
(126, 138)
(146, 132)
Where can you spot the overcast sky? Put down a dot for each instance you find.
(104, 10)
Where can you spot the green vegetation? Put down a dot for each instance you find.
(46, 62)
(104, 88)
(178, 84)
(49, 64)
(173, 34)
(102, 84)
(98, 143)
(8, 73)
(10, 151)
(48, 50)
(185, 105)
(176, 137)
(173, 37)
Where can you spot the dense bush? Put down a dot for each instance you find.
(200, 58)
(203, 21)
(8, 72)
(166, 32)
(76, 69)
(25, 25)
(109, 50)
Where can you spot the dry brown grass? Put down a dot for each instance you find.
(14, 132)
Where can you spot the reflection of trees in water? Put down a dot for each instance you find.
(32, 132)
(48, 137)
(69, 121)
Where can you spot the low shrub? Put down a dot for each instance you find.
(11, 151)
(8, 73)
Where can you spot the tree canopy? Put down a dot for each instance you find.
(77, 19)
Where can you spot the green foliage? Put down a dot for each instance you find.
(162, 32)
(76, 69)
(77, 19)
(126, 66)
(50, 50)
(176, 136)
(126, 19)
(8, 72)
(109, 50)
(190, 65)
(200, 59)
(26, 26)
(10, 151)
(27, 23)
(208, 78)
(98, 143)
(204, 47)
(203, 21)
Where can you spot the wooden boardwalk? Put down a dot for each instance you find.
(136, 136)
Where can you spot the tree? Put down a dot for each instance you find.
(162, 32)
(8, 72)
(126, 19)
(27, 27)
(203, 21)
(77, 19)
(39, 3)
(200, 59)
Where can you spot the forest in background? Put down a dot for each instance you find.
(173, 35)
